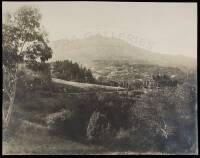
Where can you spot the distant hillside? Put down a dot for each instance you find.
(98, 47)
(124, 70)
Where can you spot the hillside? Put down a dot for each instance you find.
(98, 47)
(124, 70)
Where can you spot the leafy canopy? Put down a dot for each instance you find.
(23, 39)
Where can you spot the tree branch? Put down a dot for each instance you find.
(22, 47)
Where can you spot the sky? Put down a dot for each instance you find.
(169, 28)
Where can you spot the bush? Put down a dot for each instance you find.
(56, 121)
(122, 139)
(99, 128)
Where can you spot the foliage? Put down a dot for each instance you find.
(165, 80)
(122, 139)
(23, 37)
(166, 115)
(67, 70)
(23, 40)
(98, 128)
(157, 121)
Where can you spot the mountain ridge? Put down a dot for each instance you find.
(97, 47)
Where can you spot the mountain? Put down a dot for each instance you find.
(97, 47)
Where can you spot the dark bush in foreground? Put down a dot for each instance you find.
(99, 128)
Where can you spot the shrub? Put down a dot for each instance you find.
(55, 120)
(98, 128)
(122, 138)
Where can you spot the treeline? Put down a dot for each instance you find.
(67, 70)
(153, 82)
(165, 80)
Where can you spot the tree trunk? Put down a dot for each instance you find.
(7, 115)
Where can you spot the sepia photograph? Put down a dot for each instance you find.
(99, 78)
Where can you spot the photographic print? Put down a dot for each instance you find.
(99, 78)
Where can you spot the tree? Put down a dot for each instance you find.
(99, 127)
(67, 70)
(23, 40)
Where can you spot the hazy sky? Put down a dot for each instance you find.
(161, 27)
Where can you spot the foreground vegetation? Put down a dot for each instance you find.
(158, 121)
